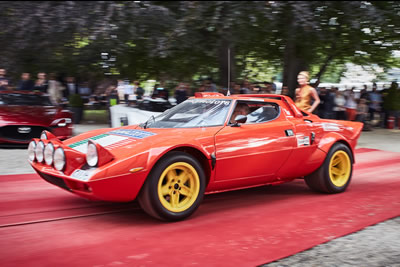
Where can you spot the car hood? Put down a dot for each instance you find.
(29, 115)
(126, 141)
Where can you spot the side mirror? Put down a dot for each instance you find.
(239, 119)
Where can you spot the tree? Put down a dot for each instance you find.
(319, 33)
(177, 40)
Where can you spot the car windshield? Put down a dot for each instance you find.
(192, 113)
(24, 99)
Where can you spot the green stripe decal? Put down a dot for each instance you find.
(82, 142)
(102, 139)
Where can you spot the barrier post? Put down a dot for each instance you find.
(390, 122)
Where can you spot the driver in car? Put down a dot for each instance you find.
(240, 109)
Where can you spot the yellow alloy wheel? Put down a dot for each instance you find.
(340, 168)
(178, 187)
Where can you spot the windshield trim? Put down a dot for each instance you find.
(223, 123)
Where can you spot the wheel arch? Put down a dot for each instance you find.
(151, 203)
(332, 138)
(194, 152)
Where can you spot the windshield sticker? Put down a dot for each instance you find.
(132, 133)
(210, 101)
(303, 140)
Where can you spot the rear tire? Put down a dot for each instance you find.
(335, 174)
(174, 189)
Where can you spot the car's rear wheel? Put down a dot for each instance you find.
(334, 175)
(174, 188)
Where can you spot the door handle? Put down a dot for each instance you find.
(289, 132)
(312, 138)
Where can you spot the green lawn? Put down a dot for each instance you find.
(98, 116)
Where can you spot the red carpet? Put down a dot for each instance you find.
(41, 225)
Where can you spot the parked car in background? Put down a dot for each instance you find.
(206, 144)
(25, 115)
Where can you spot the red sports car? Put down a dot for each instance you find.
(209, 143)
(24, 115)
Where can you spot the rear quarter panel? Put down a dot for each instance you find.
(347, 132)
(306, 160)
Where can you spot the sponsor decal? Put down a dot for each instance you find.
(303, 140)
(82, 175)
(138, 134)
(330, 127)
(105, 140)
(113, 139)
(211, 101)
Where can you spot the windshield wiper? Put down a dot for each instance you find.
(144, 125)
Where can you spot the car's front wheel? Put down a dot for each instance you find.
(174, 188)
(335, 173)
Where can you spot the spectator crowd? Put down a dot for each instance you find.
(373, 107)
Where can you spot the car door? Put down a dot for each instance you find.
(306, 156)
(255, 149)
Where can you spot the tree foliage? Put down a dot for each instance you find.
(178, 40)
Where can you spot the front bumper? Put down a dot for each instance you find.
(122, 188)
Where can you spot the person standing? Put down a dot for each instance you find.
(351, 105)
(245, 89)
(305, 94)
(25, 84)
(70, 87)
(392, 103)
(329, 104)
(41, 83)
(180, 93)
(54, 89)
(340, 102)
(139, 90)
(285, 91)
(128, 91)
(3, 80)
(375, 102)
(362, 113)
(113, 99)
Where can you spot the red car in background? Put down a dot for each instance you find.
(25, 114)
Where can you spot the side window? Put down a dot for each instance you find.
(262, 112)
(241, 108)
(256, 112)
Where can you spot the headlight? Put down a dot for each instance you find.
(59, 159)
(62, 122)
(43, 135)
(31, 150)
(39, 151)
(91, 156)
(48, 153)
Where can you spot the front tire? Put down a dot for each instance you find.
(335, 174)
(174, 188)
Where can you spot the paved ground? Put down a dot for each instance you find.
(377, 245)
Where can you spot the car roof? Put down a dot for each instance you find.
(281, 100)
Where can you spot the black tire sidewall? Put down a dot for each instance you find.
(328, 182)
(154, 177)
